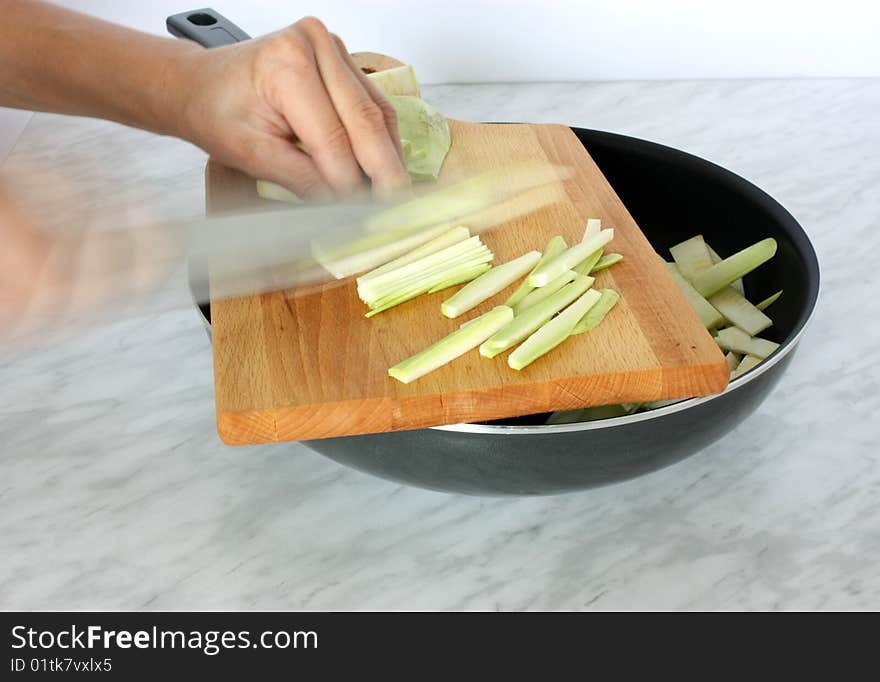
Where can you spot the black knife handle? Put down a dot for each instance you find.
(205, 26)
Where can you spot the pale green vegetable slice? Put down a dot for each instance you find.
(569, 258)
(657, 404)
(735, 308)
(448, 238)
(275, 192)
(732, 360)
(527, 322)
(535, 296)
(452, 346)
(747, 363)
(400, 80)
(691, 256)
(597, 313)
(770, 300)
(708, 315)
(587, 414)
(424, 134)
(722, 274)
(555, 246)
(465, 276)
(737, 340)
(553, 332)
(737, 284)
(585, 267)
(606, 261)
(594, 226)
(488, 284)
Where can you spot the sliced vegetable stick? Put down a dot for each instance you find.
(770, 300)
(736, 339)
(594, 226)
(732, 360)
(553, 332)
(452, 346)
(555, 246)
(733, 305)
(448, 238)
(745, 365)
(460, 279)
(542, 293)
(597, 313)
(707, 314)
(720, 275)
(586, 265)
(489, 283)
(691, 256)
(738, 284)
(606, 261)
(525, 323)
(569, 258)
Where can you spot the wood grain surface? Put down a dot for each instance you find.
(294, 366)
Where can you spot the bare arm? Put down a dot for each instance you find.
(244, 104)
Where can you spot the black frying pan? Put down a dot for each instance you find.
(672, 196)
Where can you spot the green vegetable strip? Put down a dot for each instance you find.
(466, 276)
(730, 303)
(691, 256)
(770, 300)
(401, 80)
(597, 313)
(275, 192)
(722, 274)
(738, 284)
(555, 246)
(541, 294)
(594, 226)
(553, 332)
(525, 323)
(707, 314)
(488, 284)
(452, 346)
(737, 340)
(732, 360)
(569, 258)
(747, 363)
(448, 238)
(606, 261)
(585, 267)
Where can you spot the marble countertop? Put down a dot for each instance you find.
(115, 492)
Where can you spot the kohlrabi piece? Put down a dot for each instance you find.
(270, 190)
(594, 226)
(587, 414)
(400, 80)
(732, 360)
(448, 238)
(535, 296)
(424, 131)
(770, 300)
(585, 267)
(553, 332)
(597, 313)
(736, 309)
(465, 276)
(723, 274)
(691, 256)
(735, 339)
(488, 284)
(606, 261)
(737, 284)
(569, 258)
(708, 315)
(555, 246)
(527, 322)
(455, 345)
(747, 363)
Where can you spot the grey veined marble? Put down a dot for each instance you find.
(115, 491)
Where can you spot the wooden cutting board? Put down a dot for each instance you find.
(294, 366)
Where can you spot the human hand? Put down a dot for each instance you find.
(247, 105)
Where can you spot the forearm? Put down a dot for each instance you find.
(53, 59)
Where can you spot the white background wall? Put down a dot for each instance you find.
(528, 40)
